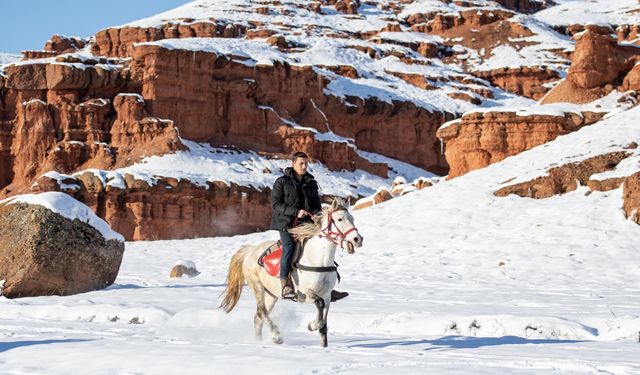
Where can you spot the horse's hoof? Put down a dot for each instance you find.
(277, 340)
(310, 327)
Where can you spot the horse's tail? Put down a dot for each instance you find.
(235, 280)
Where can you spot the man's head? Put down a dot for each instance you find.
(299, 161)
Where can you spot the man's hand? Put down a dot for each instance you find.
(302, 213)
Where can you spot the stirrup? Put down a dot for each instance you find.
(288, 293)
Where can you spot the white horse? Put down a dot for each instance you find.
(314, 275)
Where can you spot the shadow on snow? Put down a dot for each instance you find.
(465, 342)
(6, 346)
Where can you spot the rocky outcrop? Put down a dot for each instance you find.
(55, 131)
(135, 134)
(347, 6)
(169, 208)
(399, 188)
(221, 101)
(44, 253)
(57, 45)
(382, 195)
(631, 197)
(605, 184)
(599, 65)
(628, 33)
(564, 178)
(118, 41)
(524, 81)
(479, 139)
(632, 79)
(524, 6)
(440, 23)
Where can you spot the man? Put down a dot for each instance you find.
(294, 199)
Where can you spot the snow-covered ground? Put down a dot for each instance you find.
(451, 279)
(6, 58)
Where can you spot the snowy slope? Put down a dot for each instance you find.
(600, 12)
(451, 279)
(6, 58)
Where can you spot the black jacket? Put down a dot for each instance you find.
(285, 200)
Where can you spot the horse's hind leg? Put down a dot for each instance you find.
(257, 323)
(270, 302)
(265, 304)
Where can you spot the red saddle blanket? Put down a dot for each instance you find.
(272, 262)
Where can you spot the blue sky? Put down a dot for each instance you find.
(28, 24)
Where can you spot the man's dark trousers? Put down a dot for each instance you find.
(288, 247)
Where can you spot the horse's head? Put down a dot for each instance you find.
(338, 222)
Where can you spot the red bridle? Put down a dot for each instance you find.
(337, 237)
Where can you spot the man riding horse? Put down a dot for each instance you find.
(294, 199)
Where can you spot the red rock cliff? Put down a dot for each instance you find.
(480, 139)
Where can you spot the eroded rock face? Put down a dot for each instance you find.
(135, 134)
(523, 6)
(524, 81)
(382, 195)
(564, 178)
(221, 101)
(631, 197)
(45, 129)
(43, 253)
(599, 65)
(118, 41)
(170, 209)
(479, 139)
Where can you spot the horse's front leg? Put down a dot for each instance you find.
(321, 320)
(324, 342)
(319, 303)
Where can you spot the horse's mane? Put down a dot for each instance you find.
(307, 230)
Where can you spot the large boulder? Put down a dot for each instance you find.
(52, 244)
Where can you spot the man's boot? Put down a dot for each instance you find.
(287, 288)
(337, 296)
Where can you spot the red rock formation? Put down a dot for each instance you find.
(480, 139)
(117, 41)
(382, 195)
(605, 185)
(454, 25)
(524, 81)
(598, 65)
(632, 79)
(63, 44)
(45, 126)
(523, 6)
(134, 134)
(564, 178)
(348, 6)
(171, 209)
(223, 102)
(631, 197)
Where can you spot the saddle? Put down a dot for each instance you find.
(270, 258)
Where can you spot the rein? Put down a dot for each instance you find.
(337, 237)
